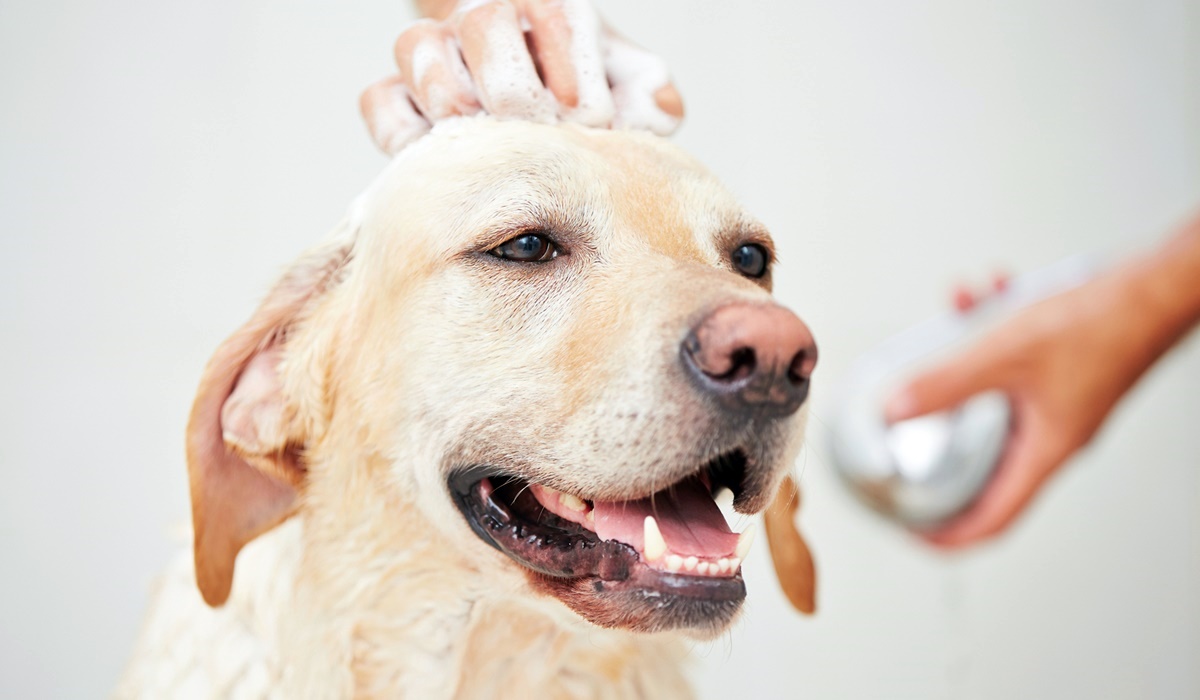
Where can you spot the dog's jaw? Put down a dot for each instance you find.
(619, 570)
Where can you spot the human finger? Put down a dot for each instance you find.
(432, 68)
(643, 94)
(390, 115)
(964, 298)
(1017, 480)
(568, 48)
(951, 381)
(493, 45)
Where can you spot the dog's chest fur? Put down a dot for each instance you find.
(400, 628)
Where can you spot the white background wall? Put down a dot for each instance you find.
(160, 161)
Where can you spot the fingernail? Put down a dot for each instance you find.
(669, 101)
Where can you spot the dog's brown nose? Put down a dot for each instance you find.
(753, 357)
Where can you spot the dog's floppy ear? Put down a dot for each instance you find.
(789, 551)
(243, 439)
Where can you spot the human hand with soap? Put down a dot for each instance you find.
(1064, 363)
(537, 60)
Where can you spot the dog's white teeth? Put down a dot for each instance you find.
(591, 517)
(572, 502)
(744, 541)
(655, 546)
(674, 563)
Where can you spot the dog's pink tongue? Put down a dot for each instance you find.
(687, 516)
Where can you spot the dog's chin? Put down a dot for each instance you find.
(605, 561)
(648, 601)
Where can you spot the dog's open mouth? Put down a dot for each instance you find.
(672, 548)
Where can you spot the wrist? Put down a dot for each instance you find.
(1165, 287)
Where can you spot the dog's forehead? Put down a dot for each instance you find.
(471, 174)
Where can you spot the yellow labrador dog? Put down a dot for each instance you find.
(469, 448)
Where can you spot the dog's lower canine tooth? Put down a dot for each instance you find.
(655, 546)
(744, 541)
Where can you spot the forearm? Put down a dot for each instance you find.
(1166, 285)
(1173, 288)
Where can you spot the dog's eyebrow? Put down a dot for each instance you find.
(559, 222)
(742, 232)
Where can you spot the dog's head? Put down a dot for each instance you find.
(553, 342)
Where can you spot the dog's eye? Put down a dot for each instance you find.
(750, 260)
(527, 247)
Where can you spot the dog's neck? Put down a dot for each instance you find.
(384, 606)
